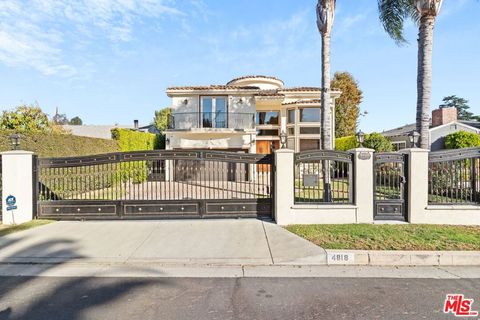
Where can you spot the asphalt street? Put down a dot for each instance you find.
(229, 298)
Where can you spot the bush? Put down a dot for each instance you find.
(378, 142)
(462, 139)
(346, 143)
(46, 144)
(130, 140)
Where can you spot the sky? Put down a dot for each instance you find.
(110, 61)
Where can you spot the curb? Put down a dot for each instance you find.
(402, 258)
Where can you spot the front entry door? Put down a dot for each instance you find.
(265, 147)
(390, 186)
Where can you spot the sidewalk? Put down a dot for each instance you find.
(212, 242)
(207, 248)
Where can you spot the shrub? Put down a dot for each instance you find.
(26, 118)
(346, 143)
(378, 142)
(462, 139)
(46, 144)
(130, 140)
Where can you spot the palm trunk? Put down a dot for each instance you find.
(424, 78)
(326, 115)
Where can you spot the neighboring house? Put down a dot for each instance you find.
(105, 131)
(444, 121)
(245, 115)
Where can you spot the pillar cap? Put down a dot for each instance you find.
(17, 152)
(284, 151)
(414, 150)
(361, 150)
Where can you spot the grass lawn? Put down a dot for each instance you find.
(7, 229)
(390, 237)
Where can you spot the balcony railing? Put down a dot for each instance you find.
(218, 120)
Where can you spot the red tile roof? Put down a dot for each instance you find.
(254, 77)
(313, 101)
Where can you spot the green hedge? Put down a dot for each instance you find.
(346, 143)
(130, 140)
(58, 145)
(462, 139)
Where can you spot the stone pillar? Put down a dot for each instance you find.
(417, 182)
(363, 184)
(17, 184)
(284, 188)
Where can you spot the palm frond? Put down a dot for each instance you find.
(393, 14)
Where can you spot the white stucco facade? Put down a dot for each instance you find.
(248, 113)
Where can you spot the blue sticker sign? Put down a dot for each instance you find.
(11, 202)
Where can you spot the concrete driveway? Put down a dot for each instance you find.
(216, 242)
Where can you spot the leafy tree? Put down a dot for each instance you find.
(393, 14)
(162, 118)
(25, 118)
(462, 107)
(462, 139)
(60, 119)
(378, 142)
(76, 121)
(347, 107)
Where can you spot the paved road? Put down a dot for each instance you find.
(233, 298)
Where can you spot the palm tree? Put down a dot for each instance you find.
(392, 15)
(325, 17)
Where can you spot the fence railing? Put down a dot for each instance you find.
(214, 120)
(314, 170)
(454, 177)
(155, 175)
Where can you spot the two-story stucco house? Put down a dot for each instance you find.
(245, 115)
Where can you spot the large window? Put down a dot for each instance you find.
(309, 144)
(214, 112)
(309, 130)
(310, 115)
(267, 118)
(267, 132)
(291, 116)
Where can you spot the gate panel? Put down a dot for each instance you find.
(155, 184)
(390, 185)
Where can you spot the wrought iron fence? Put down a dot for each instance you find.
(454, 177)
(218, 120)
(1, 190)
(323, 177)
(155, 175)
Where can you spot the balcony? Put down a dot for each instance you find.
(209, 120)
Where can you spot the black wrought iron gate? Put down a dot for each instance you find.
(156, 184)
(390, 186)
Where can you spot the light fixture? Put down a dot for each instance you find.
(240, 100)
(360, 137)
(185, 102)
(283, 140)
(15, 140)
(413, 137)
(167, 141)
(428, 7)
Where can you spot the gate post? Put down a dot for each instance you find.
(363, 184)
(18, 181)
(284, 186)
(417, 199)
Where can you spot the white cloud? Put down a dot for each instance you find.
(36, 33)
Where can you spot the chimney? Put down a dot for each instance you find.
(135, 124)
(443, 115)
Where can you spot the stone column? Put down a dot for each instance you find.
(417, 183)
(17, 185)
(284, 188)
(363, 184)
